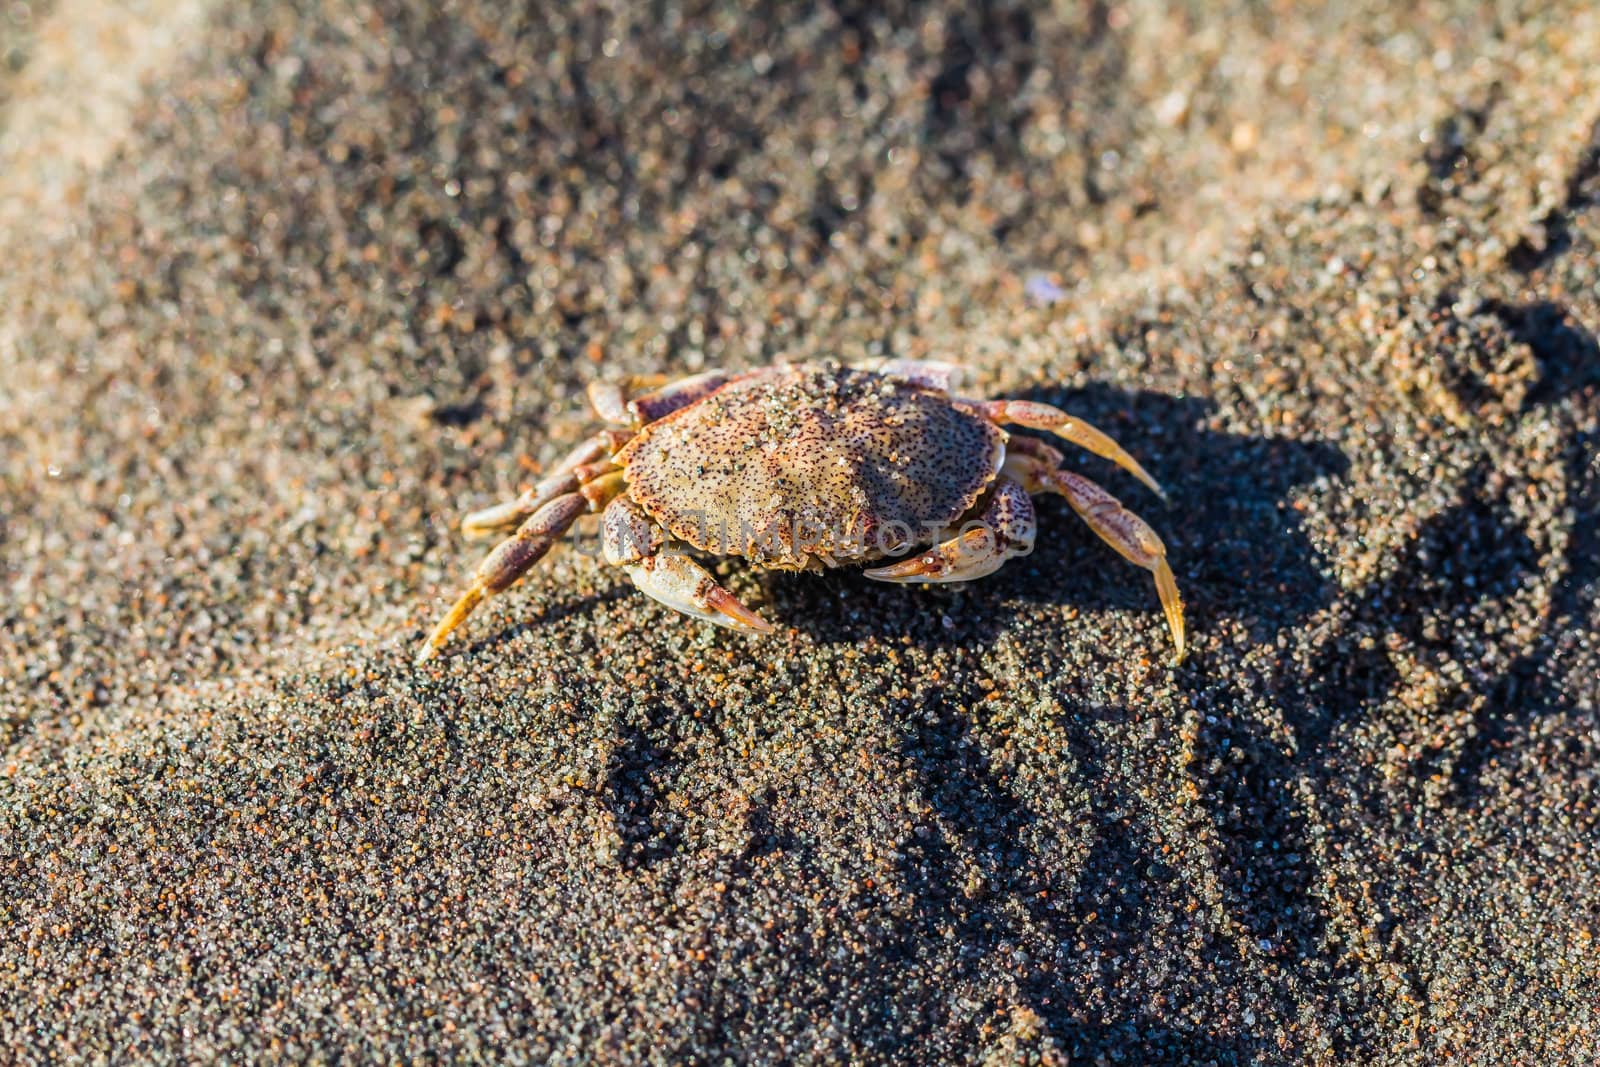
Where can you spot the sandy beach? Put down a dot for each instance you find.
(288, 288)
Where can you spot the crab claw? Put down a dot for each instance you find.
(1005, 529)
(683, 585)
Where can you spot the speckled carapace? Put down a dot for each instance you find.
(807, 467)
(815, 465)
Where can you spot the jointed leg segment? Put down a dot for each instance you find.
(588, 460)
(1118, 527)
(511, 558)
(1037, 416)
(926, 373)
(611, 400)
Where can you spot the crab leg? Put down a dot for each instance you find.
(1037, 416)
(1003, 530)
(511, 558)
(634, 543)
(1116, 526)
(611, 402)
(512, 513)
(509, 514)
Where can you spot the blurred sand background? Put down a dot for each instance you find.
(286, 288)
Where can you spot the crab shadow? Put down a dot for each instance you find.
(1464, 565)
(1234, 542)
(1238, 550)
(1039, 890)
(1565, 352)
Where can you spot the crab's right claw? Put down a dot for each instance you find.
(683, 585)
(1005, 529)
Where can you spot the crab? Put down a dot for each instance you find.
(807, 467)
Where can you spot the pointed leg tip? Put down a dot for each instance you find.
(1172, 607)
(1153, 485)
(458, 613)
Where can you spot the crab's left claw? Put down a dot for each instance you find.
(682, 584)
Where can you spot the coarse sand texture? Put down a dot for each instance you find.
(289, 288)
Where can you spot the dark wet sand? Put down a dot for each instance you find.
(1334, 278)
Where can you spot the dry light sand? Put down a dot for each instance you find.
(287, 288)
